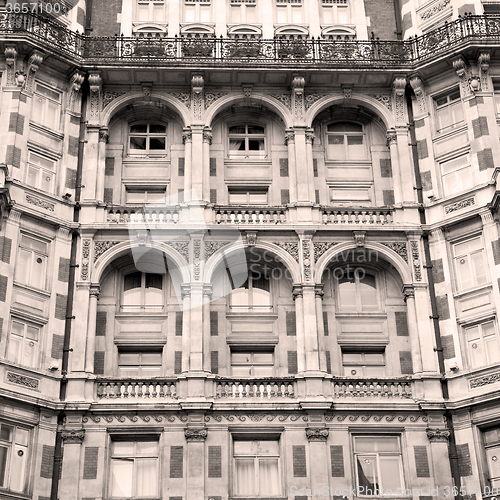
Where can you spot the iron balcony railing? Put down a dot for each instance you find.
(203, 50)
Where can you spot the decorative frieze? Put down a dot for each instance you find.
(255, 417)
(17, 378)
(306, 259)
(385, 99)
(437, 435)
(84, 275)
(73, 436)
(181, 246)
(196, 258)
(435, 9)
(310, 99)
(193, 435)
(210, 98)
(459, 205)
(283, 98)
(492, 378)
(400, 248)
(291, 248)
(321, 247)
(38, 202)
(376, 418)
(132, 418)
(109, 97)
(359, 238)
(212, 247)
(101, 246)
(317, 434)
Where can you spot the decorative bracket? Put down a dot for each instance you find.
(95, 83)
(34, 62)
(317, 434)
(483, 63)
(197, 84)
(298, 84)
(11, 60)
(438, 435)
(75, 84)
(418, 87)
(399, 86)
(195, 435)
(73, 436)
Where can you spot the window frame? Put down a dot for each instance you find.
(252, 350)
(249, 192)
(359, 305)
(198, 5)
(455, 173)
(399, 454)
(247, 154)
(475, 284)
(56, 123)
(244, 14)
(147, 152)
(142, 307)
(25, 340)
(291, 7)
(484, 345)
(494, 481)
(363, 364)
(140, 350)
(151, 11)
(41, 171)
(11, 448)
(450, 106)
(147, 193)
(38, 254)
(250, 308)
(345, 136)
(335, 6)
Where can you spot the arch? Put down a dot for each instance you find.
(343, 32)
(284, 257)
(125, 247)
(291, 29)
(389, 255)
(121, 102)
(149, 30)
(198, 29)
(245, 29)
(225, 102)
(368, 102)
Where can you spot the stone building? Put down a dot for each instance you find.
(249, 249)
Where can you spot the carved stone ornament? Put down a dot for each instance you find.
(298, 84)
(94, 291)
(109, 97)
(195, 434)
(291, 248)
(104, 135)
(142, 237)
(434, 10)
(462, 70)
(310, 99)
(310, 136)
(408, 292)
(436, 435)
(187, 135)
(95, 83)
(306, 259)
(283, 98)
(101, 246)
(320, 434)
(400, 248)
(207, 135)
(359, 238)
(247, 90)
(213, 246)
(11, 61)
(33, 64)
(16, 378)
(212, 97)
(483, 63)
(185, 290)
(416, 260)
(73, 436)
(385, 99)
(84, 274)
(146, 90)
(289, 137)
(418, 87)
(319, 291)
(182, 247)
(399, 86)
(197, 84)
(392, 137)
(251, 238)
(492, 378)
(347, 91)
(33, 200)
(75, 84)
(321, 247)
(297, 292)
(459, 205)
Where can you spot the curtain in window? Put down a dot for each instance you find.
(146, 483)
(245, 477)
(132, 281)
(268, 477)
(237, 144)
(154, 281)
(122, 470)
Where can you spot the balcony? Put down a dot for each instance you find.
(230, 388)
(356, 216)
(250, 215)
(227, 52)
(136, 390)
(379, 388)
(137, 215)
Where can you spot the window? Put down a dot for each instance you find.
(41, 172)
(142, 292)
(492, 448)
(345, 141)
(482, 343)
(335, 11)
(134, 469)
(139, 363)
(247, 141)
(379, 465)
(351, 196)
(46, 107)
(143, 196)
(469, 263)
(252, 363)
(148, 139)
(457, 175)
(23, 344)
(243, 11)
(197, 11)
(257, 468)
(254, 295)
(289, 11)
(244, 196)
(497, 97)
(32, 262)
(151, 10)
(363, 364)
(357, 291)
(449, 110)
(13, 457)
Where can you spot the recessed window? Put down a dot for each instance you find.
(14, 442)
(492, 448)
(497, 96)
(457, 175)
(351, 196)
(252, 363)
(148, 139)
(247, 141)
(482, 343)
(134, 469)
(363, 363)
(379, 467)
(197, 11)
(257, 468)
(289, 11)
(41, 172)
(46, 107)
(253, 295)
(144, 196)
(23, 343)
(243, 11)
(449, 110)
(139, 363)
(151, 11)
(345, 141)
(335, 11)
(142, 292)
(32, 262)
(242, 196)
(357, 291)
(469, 263)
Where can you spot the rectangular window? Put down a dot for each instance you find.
(197, 11)
(13, 457)
(482, 343)
(252, 363)
(335, 12)
(134, 468)
(150, 11)
(491, 439)
(46, 107)
(139, 363)
(32, 262)
(457, 175)
(257, 468)
(363, 363)
(289, 12)
(469, 263)
(243, 11)
(449, 110)
(143, 196)
(379, 466)
(352, 196)
(497, 96)
(23, 343)
(41, 172)
(248, 197)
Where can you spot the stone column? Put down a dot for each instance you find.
(195, 478)
(101, 163)
(292, 166)
(318, 455)
(207, 298)
(187, 140)
(91, 157)
(186, 323)
(440, 459)
(416, 355)
(91, 321)
(197, 164)
(319, 294)
(392, 144)
(207, 141)
(301, 166)
(70, 474)
(299, 325)
(309, 163)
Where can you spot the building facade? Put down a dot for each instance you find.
(249, 249)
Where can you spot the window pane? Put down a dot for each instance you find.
(150, 358)
(251, 13)
(390, 473)
(281, 14)
(204, 13)
(236, 144)
(268, 477)
(14, 352)
(22, 268)
(18, 468)
(240, 298)
(158, 10)
(263, 371)
(243, 447)
(261, 298)
(46, 181)
(368, 292)
(122, 471)
(6, 432)
(147, 477)
(38, 272)
(40, 246)
(140, 128)
(154, 281)
(3, 465)
(364, 444)
(157, 129)
(367, 473)
(135, 197)
(41, 161)
(479, 268)
(336, 147)
(236, 13)
(256, 144)
(241, 371)
(296, 14)
(355, 147)
(477, 353)
(387, 443)
(464, 275)
(241, 358)
(47, 92)
(347, 294)
(255, 129)
(51, 118)
(37, 112)
(263, 357)
(444, 118)
(138, 143)
(491, 347)
(157, 143)
(131, 281)
(22, 436)
(258, 198)
(129, 358)
(189, 12)
(244, 477)
(142, 12)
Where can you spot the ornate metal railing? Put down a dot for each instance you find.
(136, 389)
(372, 388)
(237, 388)
(282, 50)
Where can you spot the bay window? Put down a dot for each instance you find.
(14, 441)
(482, 344)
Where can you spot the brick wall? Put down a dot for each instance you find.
(104, 18)
(382, 18)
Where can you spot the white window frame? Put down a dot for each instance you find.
(135, 457)
(153, 153)
(463, 166)
(360, 367)
(346, 135)
(251, 307)
(41, 171)
(142, 306)
(149, 196)
(496, 96)
(252, 363)
(25, 343)
(249, 196)
(484, 342)
(246, 137)
(492, 452)
(452, 105)
(247, 11)
(335, 9)
(377, 456)
(35, 258)
(458, 257)
(151, 6)
(359, 305)
(200, 10)
(18, 452)
(142, 363)
(45, 98)
(294, 11)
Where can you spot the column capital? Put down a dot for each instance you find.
(187, 135)
(486, 216)
(94, 291)
(207, 135)
(71, 436)
(297, 291)
(104, 135)
(392, 137)
(438, 435)
(408, 292)
(195, 435)
(208, 290)
(289, 136)
(318, 434)
(318, 290)
(185, 290)
(309, 136)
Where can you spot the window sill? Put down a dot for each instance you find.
(364, 314)
(444, 134)
(471, 291)
(46, 131)
(38, 291)
(6, 493)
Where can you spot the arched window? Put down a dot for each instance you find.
(148, 139)
(357, 291)
(142, 292)
(247, 140)
(253, 295)
(345, 141)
